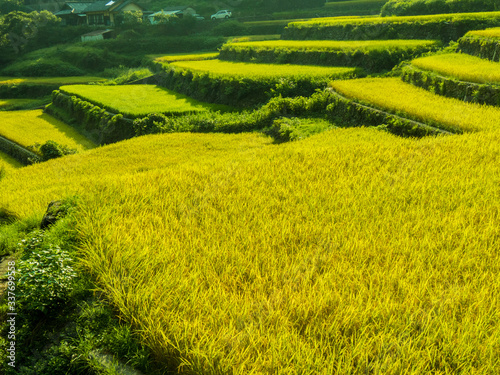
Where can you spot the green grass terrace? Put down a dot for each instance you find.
(48, 80)
(332, 45)
(461, 66)
(250, 70)
(453, 17)
(395, 96)
(139, 100)
(493, 32)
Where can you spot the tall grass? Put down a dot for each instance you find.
(461, 66)
(396, 96)
(350, 252)
(7, 164)
(29, 127)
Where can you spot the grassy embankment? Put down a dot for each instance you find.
(461, 66)
(139, 100)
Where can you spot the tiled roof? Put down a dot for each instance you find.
(100, 6)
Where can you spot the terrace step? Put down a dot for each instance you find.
(482, 43)
(372, 55)
(451, 86)
(402, 99)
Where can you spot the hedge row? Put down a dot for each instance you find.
(373, 60)
(415, 7)
(17, 152)
(102, 126)
(28, 90)
(327, 103)
(443, 27)
(350, 112)
(234, 91)
(486, 48)
(236, 122)
(450, 87)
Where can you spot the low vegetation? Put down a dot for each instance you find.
(396, 96)
(484, 93)
(7, 164)
(185, 57)
(373, 55)
(445, 27)
(461, 66)
(481, 44)
(138, 100)
(251, 302)
(249, 70)
(28, 128)
(247, 84)
(493, 32)
(416, 7)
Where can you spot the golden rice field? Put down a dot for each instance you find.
(139, 100)
(327, 21)
(186, 57)
(335, 45)
(251, 70)
(493, 32)
(353, 251)
(253, 38)
(461, 66)
(29, 127)
(7, 163)
(49, 80)
(399, 97)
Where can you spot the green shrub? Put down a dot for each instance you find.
(43, 67)
(49, 150)
(47, 275)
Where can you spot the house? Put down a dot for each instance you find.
(73, 13)
(105, 12)
(178, 11)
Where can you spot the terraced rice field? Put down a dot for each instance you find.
(493, 32)
(461, 66)
(249, 70)
(393, 20)
(186, 57)
(398, 97)
(328, 45)
(48, 80)
(7, 163)
(139, 100)
(29, 127)
(351, 251)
